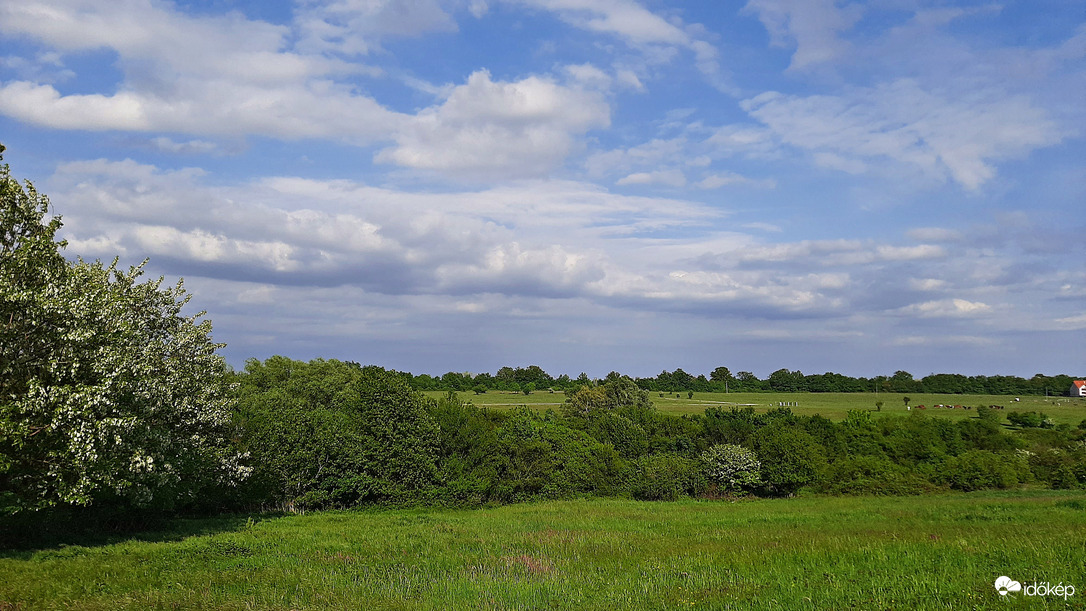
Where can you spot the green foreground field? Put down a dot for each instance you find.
(835, 406)
(932, 552)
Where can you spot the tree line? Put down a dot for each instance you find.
(721, 379)
(111, 398)
(328, 433)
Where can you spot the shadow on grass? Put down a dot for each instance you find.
(23, 535)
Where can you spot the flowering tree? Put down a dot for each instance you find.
(732, 467)
(106, 391)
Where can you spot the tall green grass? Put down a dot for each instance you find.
(932, 552)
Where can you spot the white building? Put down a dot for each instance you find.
(1078, 388)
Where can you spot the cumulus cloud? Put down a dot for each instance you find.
(199, 75)
(489, 128)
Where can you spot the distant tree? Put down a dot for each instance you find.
(689, 394)
(878, 406)
(902, 381)
(107, 392)
(479, 389)
(906, 400)
(721, 374)
(784, 380)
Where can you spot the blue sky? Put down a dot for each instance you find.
(586, 185)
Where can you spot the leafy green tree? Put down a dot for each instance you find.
(107, 392)
(333, 433)
(732, 467)
(721, 374)
(791, 458)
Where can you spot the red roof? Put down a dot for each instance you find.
(1079, 383)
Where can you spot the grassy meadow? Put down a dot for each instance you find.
(835, 406)
(930, 552)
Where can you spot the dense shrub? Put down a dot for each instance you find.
(329, 433)
(666, 477)
(732, 468)
(790, 457)
(734, 426)
(1029, 420)
(875, 475)
(538, 457)
(981, 469)
(467, 441)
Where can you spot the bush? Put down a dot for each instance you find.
(731, 467)
(873, 475)
(1030, 420)
(627, 437)
(1056, 467)
(791, 458)
(666, 477)
(538, 457)
(981, 469)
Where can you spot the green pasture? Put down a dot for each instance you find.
(835, 406)
(931, 552)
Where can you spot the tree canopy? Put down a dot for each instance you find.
(107, 392)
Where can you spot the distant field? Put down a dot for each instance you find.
(830, 405)
(910, 553)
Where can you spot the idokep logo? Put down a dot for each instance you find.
(1005, 585)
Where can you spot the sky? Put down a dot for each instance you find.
(583, 185)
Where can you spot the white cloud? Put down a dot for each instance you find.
(911, 125)
(721, 179)
(356, 27)
(946, 308)
(489, 128)
(943, 340)
(197, 75)
(622, 18)
(927, 284)
(191, 147)
(813, 27)
(671, 178)
(1071, 323)
(655, 37)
